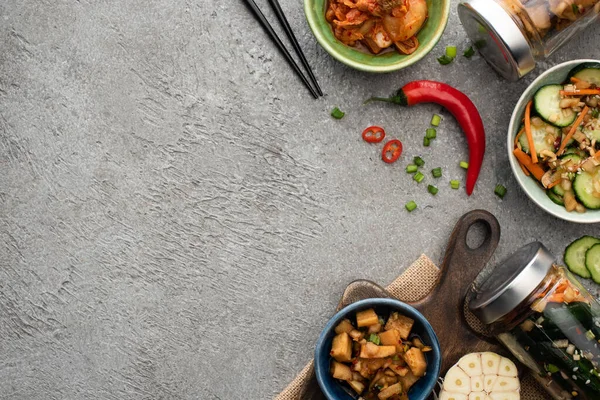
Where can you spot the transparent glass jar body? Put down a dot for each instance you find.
(549, 24)
(556, 333)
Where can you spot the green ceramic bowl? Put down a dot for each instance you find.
(392, 61)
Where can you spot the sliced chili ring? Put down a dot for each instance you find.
(373, 134)
(392, 150)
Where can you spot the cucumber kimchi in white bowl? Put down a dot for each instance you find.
(554, 141)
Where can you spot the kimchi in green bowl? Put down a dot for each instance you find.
(359, 56)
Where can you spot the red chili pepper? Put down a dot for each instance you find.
(391, 151)
(459, 105)
(373, 134)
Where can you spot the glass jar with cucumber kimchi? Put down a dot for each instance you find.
(547, 319)
(513, 34)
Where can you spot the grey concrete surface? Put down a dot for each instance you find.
(178, 217)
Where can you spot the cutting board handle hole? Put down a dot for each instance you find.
(477, 234)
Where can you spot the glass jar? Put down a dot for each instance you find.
(547, 320)
(513, 34)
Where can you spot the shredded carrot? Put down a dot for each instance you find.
(524, 159)
(579, 92)
(572, 130)
(532, 151)
(557, 298)
(519, 136)
(575, 80)
(556, 182)
(525, 170)
(562, 287)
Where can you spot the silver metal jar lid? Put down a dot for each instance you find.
(511, 282)
(497, 37)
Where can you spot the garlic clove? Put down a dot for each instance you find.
(457, 381)
(477, 396)
(505, 383)
(477, 383)
(490, 363)
(471, 364)
(488, 382)
(504, 396)
(507, 368)
(453, 396)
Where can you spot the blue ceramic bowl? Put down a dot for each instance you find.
(420, 391)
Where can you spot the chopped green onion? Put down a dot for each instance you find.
(464, 164)
(411, 168)
(436, 172)
(419, 161)
(468, 53)
(480, 44)
(374, 338)
(432, 189)
(454, 184)
(430, 133)
(451, 51)
(435, 120)
(419, 177)
(337, 113)
(575, 8)
(552, 368)
(445, 60)
(410, 206)
(396, 358)
(595, 113)
(381, 321)
(426, 141)
(500, 191)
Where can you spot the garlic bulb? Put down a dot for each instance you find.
(482, 376)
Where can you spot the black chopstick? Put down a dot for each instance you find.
(263, 20)
(290, 34)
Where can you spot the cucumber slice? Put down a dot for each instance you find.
(556, 198)
(592, 129)
(573, 150)
(575, 158)
(547, 104)
(592, 262)
(575, 255)
(539, 135)
(583, 186)
(589, 72)
(559, 191)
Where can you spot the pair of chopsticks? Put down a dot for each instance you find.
(316, 90)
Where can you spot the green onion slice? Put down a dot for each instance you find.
(500, 191)
(432, 189)
(436, 172)
(454, 184)
(410, 206)
(451, 51)
(337, 113)
(445, 60)
(411, 168)
(470, 52)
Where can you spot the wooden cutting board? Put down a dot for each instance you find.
(444, 306)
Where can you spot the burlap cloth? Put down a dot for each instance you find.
(414, 284)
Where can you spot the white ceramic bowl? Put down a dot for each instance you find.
(556, 74)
